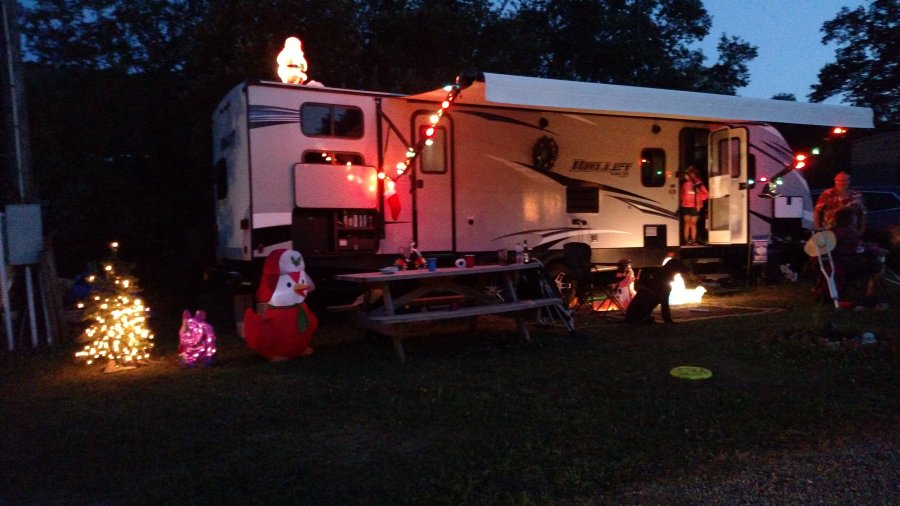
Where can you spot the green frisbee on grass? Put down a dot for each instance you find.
(691, 372)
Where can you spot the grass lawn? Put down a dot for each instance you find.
(477, 419)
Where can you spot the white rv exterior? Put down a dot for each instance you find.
(614, 184)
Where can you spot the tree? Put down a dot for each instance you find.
(114, 128)
(865, 69)
(730, 71)
(418, 45)
(641, 43)
(146, 36)
(117, 329)
(787, 97)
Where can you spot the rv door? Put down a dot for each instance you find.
(727, 220)
(433, 187)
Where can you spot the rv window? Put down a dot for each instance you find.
(434, 157)
(348, 122)
(331, 120)
(653, 167)
(221, 171)
(693, 144)
(729, 158)
(751, 167)
(582, 199)
(332, 158)
(735, 157)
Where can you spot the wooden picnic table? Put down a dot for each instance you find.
(450, 293)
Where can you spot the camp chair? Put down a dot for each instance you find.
(891, 277)
(607, 285)
(820, 246)
(556, 315)
(577, 259)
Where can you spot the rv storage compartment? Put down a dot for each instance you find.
(655, 236)
(353, 243)
(322, 231)
(312, 231)
(356, 230)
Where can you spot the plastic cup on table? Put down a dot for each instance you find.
(432, 264)
(470, 260)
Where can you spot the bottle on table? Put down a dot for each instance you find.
(526, 254)
(520, 253)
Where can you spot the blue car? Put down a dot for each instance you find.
(883, 218)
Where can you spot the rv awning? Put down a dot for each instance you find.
(554, 94)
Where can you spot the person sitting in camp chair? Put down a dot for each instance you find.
(624, 283)
(857, 263)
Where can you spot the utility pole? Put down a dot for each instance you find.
(18, 161)
(21, 232)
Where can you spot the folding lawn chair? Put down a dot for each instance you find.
(577, 258)
(820, 246)
(606, 283)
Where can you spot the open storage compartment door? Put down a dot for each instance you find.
(335, 186)
(335, 209)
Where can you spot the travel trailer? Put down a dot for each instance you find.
(511, 159)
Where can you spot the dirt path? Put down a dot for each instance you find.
(865, 472)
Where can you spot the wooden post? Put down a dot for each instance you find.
(54, 297)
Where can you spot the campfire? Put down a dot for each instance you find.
(681, 295)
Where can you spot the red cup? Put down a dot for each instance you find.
(470, 260)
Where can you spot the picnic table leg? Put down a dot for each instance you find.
(388, 300)
(523, 327)
(398, 347)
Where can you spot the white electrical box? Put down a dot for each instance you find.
(24, 234)
(788, 207)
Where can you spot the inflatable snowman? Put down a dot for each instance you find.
(285, 328)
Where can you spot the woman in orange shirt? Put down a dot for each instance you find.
(693, 196)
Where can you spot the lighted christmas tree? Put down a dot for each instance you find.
(117, 329)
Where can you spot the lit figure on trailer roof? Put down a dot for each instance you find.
(291, 62)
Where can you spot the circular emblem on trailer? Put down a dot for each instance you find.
(544, 153)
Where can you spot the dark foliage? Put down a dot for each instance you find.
(865, 69)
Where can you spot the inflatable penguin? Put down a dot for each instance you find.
(285, 328)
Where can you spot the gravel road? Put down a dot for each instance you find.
(856, 473)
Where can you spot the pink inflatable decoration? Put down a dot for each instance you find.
(196, 340)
